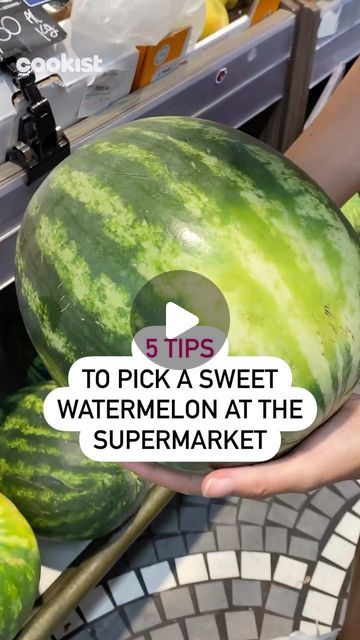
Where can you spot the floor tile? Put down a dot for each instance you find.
(276, 539)
(241, 625)
(303, 548)
(222, 514)
(282, 601)
(275, 626)
(339, 551)
(48, 575)
(141, 554)
(202, 628)
(290, 572)
(222, 564)
(172, 631)
(204, 502)
(328, 578)
(227, 537)
(310, 627)
(327, 501)
(282, 515)
(111, 627)
(125, 588)
(295, 500)
(200, 542)
(95, 604)
(191, 569)
(313, 523)
(356, 507)
(83, 634)
(193, 519)
(246, 593)
(166, 522)
(142, 614)
(72, 622)
(251, 538)
(343, 612)
(170, 547)
(255, 565)
(252, 511)
(211, 596)
(319, 607)
(348, 488)
(158, 577)
(349, 527)
(177, 603)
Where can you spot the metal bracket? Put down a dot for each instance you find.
(41, 143)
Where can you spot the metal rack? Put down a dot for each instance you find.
(230, 81)
(327, 35)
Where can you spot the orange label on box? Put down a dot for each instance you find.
(157, 60)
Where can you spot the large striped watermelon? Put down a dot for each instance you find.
(19, 569)
(62, 493)
(176, 193)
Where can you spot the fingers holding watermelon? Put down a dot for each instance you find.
(330, 454)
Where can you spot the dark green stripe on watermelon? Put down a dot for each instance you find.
(62, 493)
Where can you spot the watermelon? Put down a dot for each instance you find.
(37, 372)
(61, 492)
(171, 193)
(19, 569)
(352, 212)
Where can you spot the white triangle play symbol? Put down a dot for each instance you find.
(178, 320)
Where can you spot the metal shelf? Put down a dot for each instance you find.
(256, 63)
(327, 35)
(340, 19)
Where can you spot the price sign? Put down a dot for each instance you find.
(24, 28)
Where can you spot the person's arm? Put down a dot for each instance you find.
(329, 150)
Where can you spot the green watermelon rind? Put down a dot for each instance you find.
(19, 569)
(62, 493)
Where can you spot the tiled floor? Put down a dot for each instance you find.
(232, 569)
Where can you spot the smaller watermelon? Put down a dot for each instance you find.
(37, 372)
(62, 493)
(19, 569)
(351, 211)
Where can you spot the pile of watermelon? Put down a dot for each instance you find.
(153, 196)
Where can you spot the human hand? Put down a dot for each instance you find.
(330, 454)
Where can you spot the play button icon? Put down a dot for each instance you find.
(178, 320)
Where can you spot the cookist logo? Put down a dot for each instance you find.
(62, 64)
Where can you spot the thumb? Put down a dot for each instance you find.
(260, 480)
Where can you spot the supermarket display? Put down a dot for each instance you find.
(267, 236)
(63, 494)
(292, 290)
(19, 569)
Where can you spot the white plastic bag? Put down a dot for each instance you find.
(193, 14)
(121, 25)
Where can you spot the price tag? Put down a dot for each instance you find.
(99, 92)
(23, 29)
